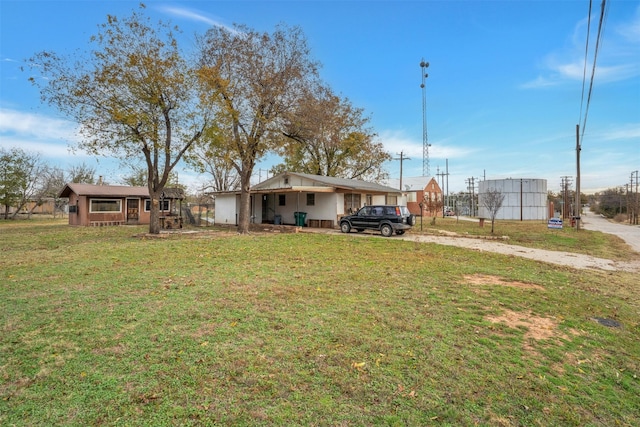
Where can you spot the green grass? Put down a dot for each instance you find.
(103, 328)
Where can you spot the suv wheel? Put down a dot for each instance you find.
(411, 220)
(345, 227)
(386, 230)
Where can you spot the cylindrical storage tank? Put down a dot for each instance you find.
(524, 198)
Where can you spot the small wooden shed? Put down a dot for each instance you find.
(99, 205)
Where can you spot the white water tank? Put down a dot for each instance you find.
(524, 198)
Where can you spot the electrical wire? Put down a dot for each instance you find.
(601, 23)
(586, 55)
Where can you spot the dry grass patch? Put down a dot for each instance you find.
(538, 328)
(483, 279)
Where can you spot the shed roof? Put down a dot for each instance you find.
(115, 191)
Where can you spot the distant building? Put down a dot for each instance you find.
(525, 198)
(420, 189)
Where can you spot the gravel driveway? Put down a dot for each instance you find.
(631, 234)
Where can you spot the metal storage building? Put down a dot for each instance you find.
(525, 198)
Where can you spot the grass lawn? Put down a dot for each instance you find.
(101, 326)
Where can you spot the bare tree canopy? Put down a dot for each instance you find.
(81, 173)
(492, 200)
(134, 96)
(327, 135)
(20, 178)
(254, 78)
(212, 158)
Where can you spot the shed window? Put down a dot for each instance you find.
(282, 200)
(105, 205)
(164, 205)
(311, 199)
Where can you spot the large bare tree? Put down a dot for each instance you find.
(134, 96)
(213, 158)
(254, 78)
(327, 135)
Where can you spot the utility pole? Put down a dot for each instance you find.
(441, 175)
(633, 214)
(565, 183)
(402, 158)
(260, 174)
(471, 187)
(425, 143)
(578, 209)
(447, 173)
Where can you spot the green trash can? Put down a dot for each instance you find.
(300, 217)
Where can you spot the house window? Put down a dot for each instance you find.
(369, 199)
(411, 196)
(282, 200)
(105, 205)
(392, 200)
(164, 205)
(311, 199)
(351, 203)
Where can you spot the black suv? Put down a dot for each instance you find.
(386, 218)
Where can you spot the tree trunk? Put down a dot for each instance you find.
(154, 215)
(244, 215)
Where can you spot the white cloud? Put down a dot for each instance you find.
(395, 141)
(195, 16)
(35, 126)
(617, 59)
(624, 132)
(631, 30)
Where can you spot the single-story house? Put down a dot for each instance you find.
(96, 205)
(303, 199)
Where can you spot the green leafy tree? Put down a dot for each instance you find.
(254, 78)
(327, 135)
(134, 95)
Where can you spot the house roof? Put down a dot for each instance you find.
(115, 191)
(326, 181)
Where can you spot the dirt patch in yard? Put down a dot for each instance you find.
(538, 328)
(483, 279)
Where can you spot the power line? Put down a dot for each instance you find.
(603, 13)
(586, 55)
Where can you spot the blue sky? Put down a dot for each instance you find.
(503, 94)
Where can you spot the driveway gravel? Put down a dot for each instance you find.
(630, 234)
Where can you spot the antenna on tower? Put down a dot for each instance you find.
(425, 142)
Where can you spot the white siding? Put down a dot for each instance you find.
(226, 208)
